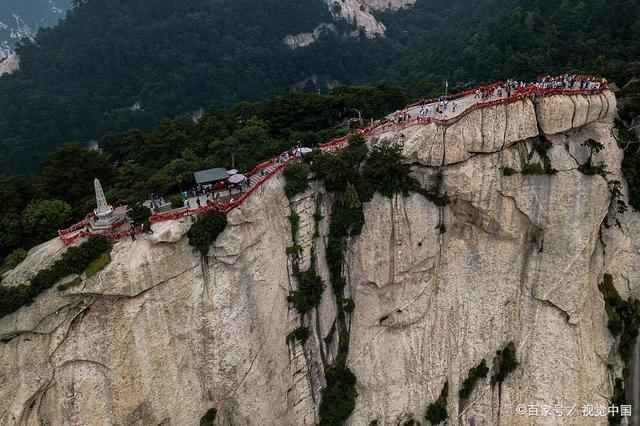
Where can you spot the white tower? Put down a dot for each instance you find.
(104, 212)
(103, 208)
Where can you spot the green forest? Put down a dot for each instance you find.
(164, 158)
(79, 80)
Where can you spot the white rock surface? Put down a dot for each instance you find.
(492, 129)
(169, 232)
(359, 13)
(305, 39)
(38, 257)
(520, 261)
(10, 64)
(161, 334)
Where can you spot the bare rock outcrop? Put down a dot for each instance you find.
(505, 270)
(169, 232)
(305, 39)
(492, 129)
(39, 257)
(561, 113)
(163, 334)
(9, 64)
(359, 13)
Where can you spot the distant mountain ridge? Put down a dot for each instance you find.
(21, 19)
(172, 58)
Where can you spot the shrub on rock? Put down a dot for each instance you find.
(177, 201)
(437, 411)
(296, 179)
(204, 232)
(74, 261)
(504, 363)
(309, 293)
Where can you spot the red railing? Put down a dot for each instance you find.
(458, 95)
(518, 94)
(74, 232)
(77, 226)
(227, 207)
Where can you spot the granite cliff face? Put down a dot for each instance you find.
(9, 64)
(162, 335)
(359, 13)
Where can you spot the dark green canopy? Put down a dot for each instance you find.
(210, 175)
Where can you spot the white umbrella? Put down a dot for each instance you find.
(237, 178)
(232, 172)
(305, 151)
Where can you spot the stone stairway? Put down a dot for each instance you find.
(253, 180)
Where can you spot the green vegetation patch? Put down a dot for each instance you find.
(73, 283)
(475, 373)
(317, 215)
(204, 232)
(294, 219)
(309, 293)
(294, 249)
(348, 305)
(338, 399)
(437, 411)
(542, 145)
(588, 168)
(74, 261)
(14, 259)
(98, 265)
(624, 318)
(343, 346)
(337, 170)
(140, 215)
(296, 179)
(630, 163)
(592, 170)
(344, 222)
(300, 334)
(618, 205)
(384, 172)
(504, 363)
(533, 169)
(613, 303)
(177, 201)
(328, 339)
(508, 171)
(209, 417)
(433, 194)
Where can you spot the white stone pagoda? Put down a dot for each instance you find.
(104, 212)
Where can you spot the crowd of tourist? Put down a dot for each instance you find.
(512, 87)
(400, 117)
(223, 191)
(507, 89)
(568, 81)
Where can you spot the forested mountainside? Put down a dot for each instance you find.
(81, 79)
(22, 18)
